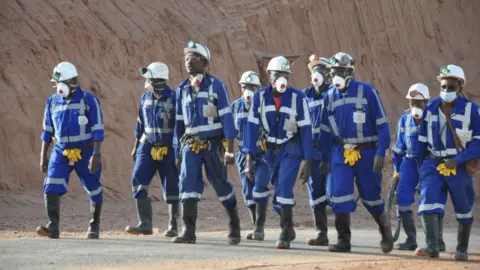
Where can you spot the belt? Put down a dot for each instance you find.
(437, 158)
(144, 139)
(339, 141)
(85, 147)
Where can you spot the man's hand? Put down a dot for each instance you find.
(249, 170)
(378, 163)
(43, 164)
(178, 163)
(94, 163)
(324, 166)
(228, 159)
(307, 170)
(451, 163)
(134, 154)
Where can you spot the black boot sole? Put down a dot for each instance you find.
(43, 231)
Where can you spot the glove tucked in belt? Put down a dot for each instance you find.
(351, 155)
(158, 153)
(225, 144)
(73, 154)
(443, 170)
(197, 146)
(263, 145)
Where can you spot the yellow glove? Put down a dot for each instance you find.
(263, 145)
(74, 154)
(351, 156)
(443, 170)
(225, 144)
(159, 153)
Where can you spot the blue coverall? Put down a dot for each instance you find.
(406, 161)
(436, 144)
(254, 191)
(205, 115)
(355, 117)
(156, 120)
(289, 137)
(75, 123)
(316, 184)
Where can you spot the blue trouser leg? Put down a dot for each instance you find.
(90, 181)
(407, 185)
(261, 192)
(169, 177)
(190, 180)
(316, 186)
(462, 193)
(341, 198)
(247, 184)
(433, 192)
(369, 183)
(143, 172)
(285, 167)
(217, 175)
(58, 173)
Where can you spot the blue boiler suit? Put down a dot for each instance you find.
(254, 191)
(406, 161)
(316, 184)
(356, 117)
(436, 144)
(205, 115)
(289, 137)
(156, 120)
(75, 123)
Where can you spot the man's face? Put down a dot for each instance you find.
(195, 63)
(417, 103)
(450, 85)
(248, 86)
(274, 75)
(341, 72)
(158, 85)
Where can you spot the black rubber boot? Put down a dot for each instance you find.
(52, 207)
(144, 212)
(253, 218)
(172, 222)
(94, 227)
(463, 238)
(411, 232)
(259, 232)
(234, 236)
(430, 226)
(286, 223)
(321, 221)
(189, 218)
(441, 244)
(342, 224)
(385, 230)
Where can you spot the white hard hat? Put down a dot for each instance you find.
(418, 91)
(63, 71)
(250, 77)
(315, 61)
(342, 59)
(156, 70)
(196, 47)
(279, 63)
(452, 71)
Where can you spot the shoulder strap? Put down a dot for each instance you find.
(458, 144)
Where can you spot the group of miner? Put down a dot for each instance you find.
(334, 134)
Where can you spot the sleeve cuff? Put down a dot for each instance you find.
(46, 136)
(98, 136)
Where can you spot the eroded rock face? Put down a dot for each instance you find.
(395, 43)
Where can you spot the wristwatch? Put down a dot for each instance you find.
(227, 154)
